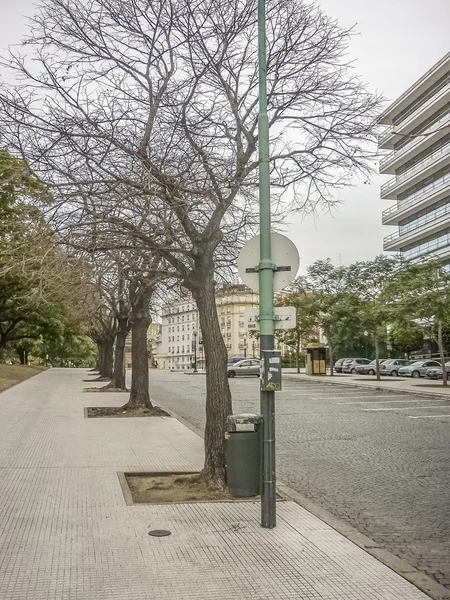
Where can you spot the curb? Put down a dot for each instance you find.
(422, 581)
(378, 388)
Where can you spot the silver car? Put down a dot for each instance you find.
(244, 367)
(350, 364)
(369, 369)
(436, 372)
(392, 366)
(418, 369)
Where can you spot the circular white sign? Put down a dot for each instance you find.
(284, 256)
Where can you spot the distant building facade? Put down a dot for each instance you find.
(231, 302)
(179, 329)
(418, 135)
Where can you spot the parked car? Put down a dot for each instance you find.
(337, 367)
(234, 359)
(370, 368)
(244, 367)
(418, 368)
(350, 364)
(392, 366)
(436, 372)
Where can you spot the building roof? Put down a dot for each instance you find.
(418, 88)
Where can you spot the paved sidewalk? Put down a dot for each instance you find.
(67, 534)
(415, 386)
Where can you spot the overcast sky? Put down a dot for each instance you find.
(398, 41)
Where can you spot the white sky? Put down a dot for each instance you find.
(398, 41)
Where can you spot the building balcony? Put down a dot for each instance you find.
(424, 168)
(426, 138)
(429, 194)
(428, 225)
(422, 112)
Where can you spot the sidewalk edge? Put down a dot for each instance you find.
(419, 579)
(378, 388)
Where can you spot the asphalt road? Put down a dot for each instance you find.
(378, 460)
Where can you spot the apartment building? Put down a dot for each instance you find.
(231, 302)
(179, 330)
(154, 332)
(418, 137)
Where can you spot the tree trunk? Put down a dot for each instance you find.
(107, 354)
(140, 322)
(118, 379)
(218, 395)
(441, 354)
(99, 357)
(377, 358)
(21, 352)
(297, 348)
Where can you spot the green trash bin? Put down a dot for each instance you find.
(243, 455)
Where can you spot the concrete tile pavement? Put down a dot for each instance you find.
(67, 534)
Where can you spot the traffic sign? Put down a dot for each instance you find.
(284, 256)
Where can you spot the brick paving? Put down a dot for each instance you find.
(385, 472)
(66, 532)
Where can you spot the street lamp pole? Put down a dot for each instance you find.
(195, 351)
(245, 346)
(266, 314)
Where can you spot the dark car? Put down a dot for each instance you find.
(338, 365)
(350, 364)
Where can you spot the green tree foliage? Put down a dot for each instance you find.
(368, 282)
(405, 337)
(421, 291)
(42, 288)
(306, 329)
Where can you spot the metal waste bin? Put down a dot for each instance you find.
(243, 455)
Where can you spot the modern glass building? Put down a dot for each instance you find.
(418, 137)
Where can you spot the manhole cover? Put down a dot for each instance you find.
(159, 532)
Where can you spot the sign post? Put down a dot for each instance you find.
(267, 397)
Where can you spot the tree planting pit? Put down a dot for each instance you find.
(118, 412)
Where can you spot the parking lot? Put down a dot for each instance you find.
(378, 459)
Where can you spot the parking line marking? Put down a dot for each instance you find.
(429, 417)
(400, 408)
(389, 401)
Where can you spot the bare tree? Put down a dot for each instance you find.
(150, 111)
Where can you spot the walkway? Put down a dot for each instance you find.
(67, 533)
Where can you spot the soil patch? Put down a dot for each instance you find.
(96, 412)
(162, 488)
(12, 374)
(105, 388)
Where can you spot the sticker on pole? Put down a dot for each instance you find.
(284, 256)
(285, 318)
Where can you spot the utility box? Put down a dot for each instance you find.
(316, 359)
(243, 455)
(270, 370)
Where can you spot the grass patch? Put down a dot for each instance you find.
(12, 374)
